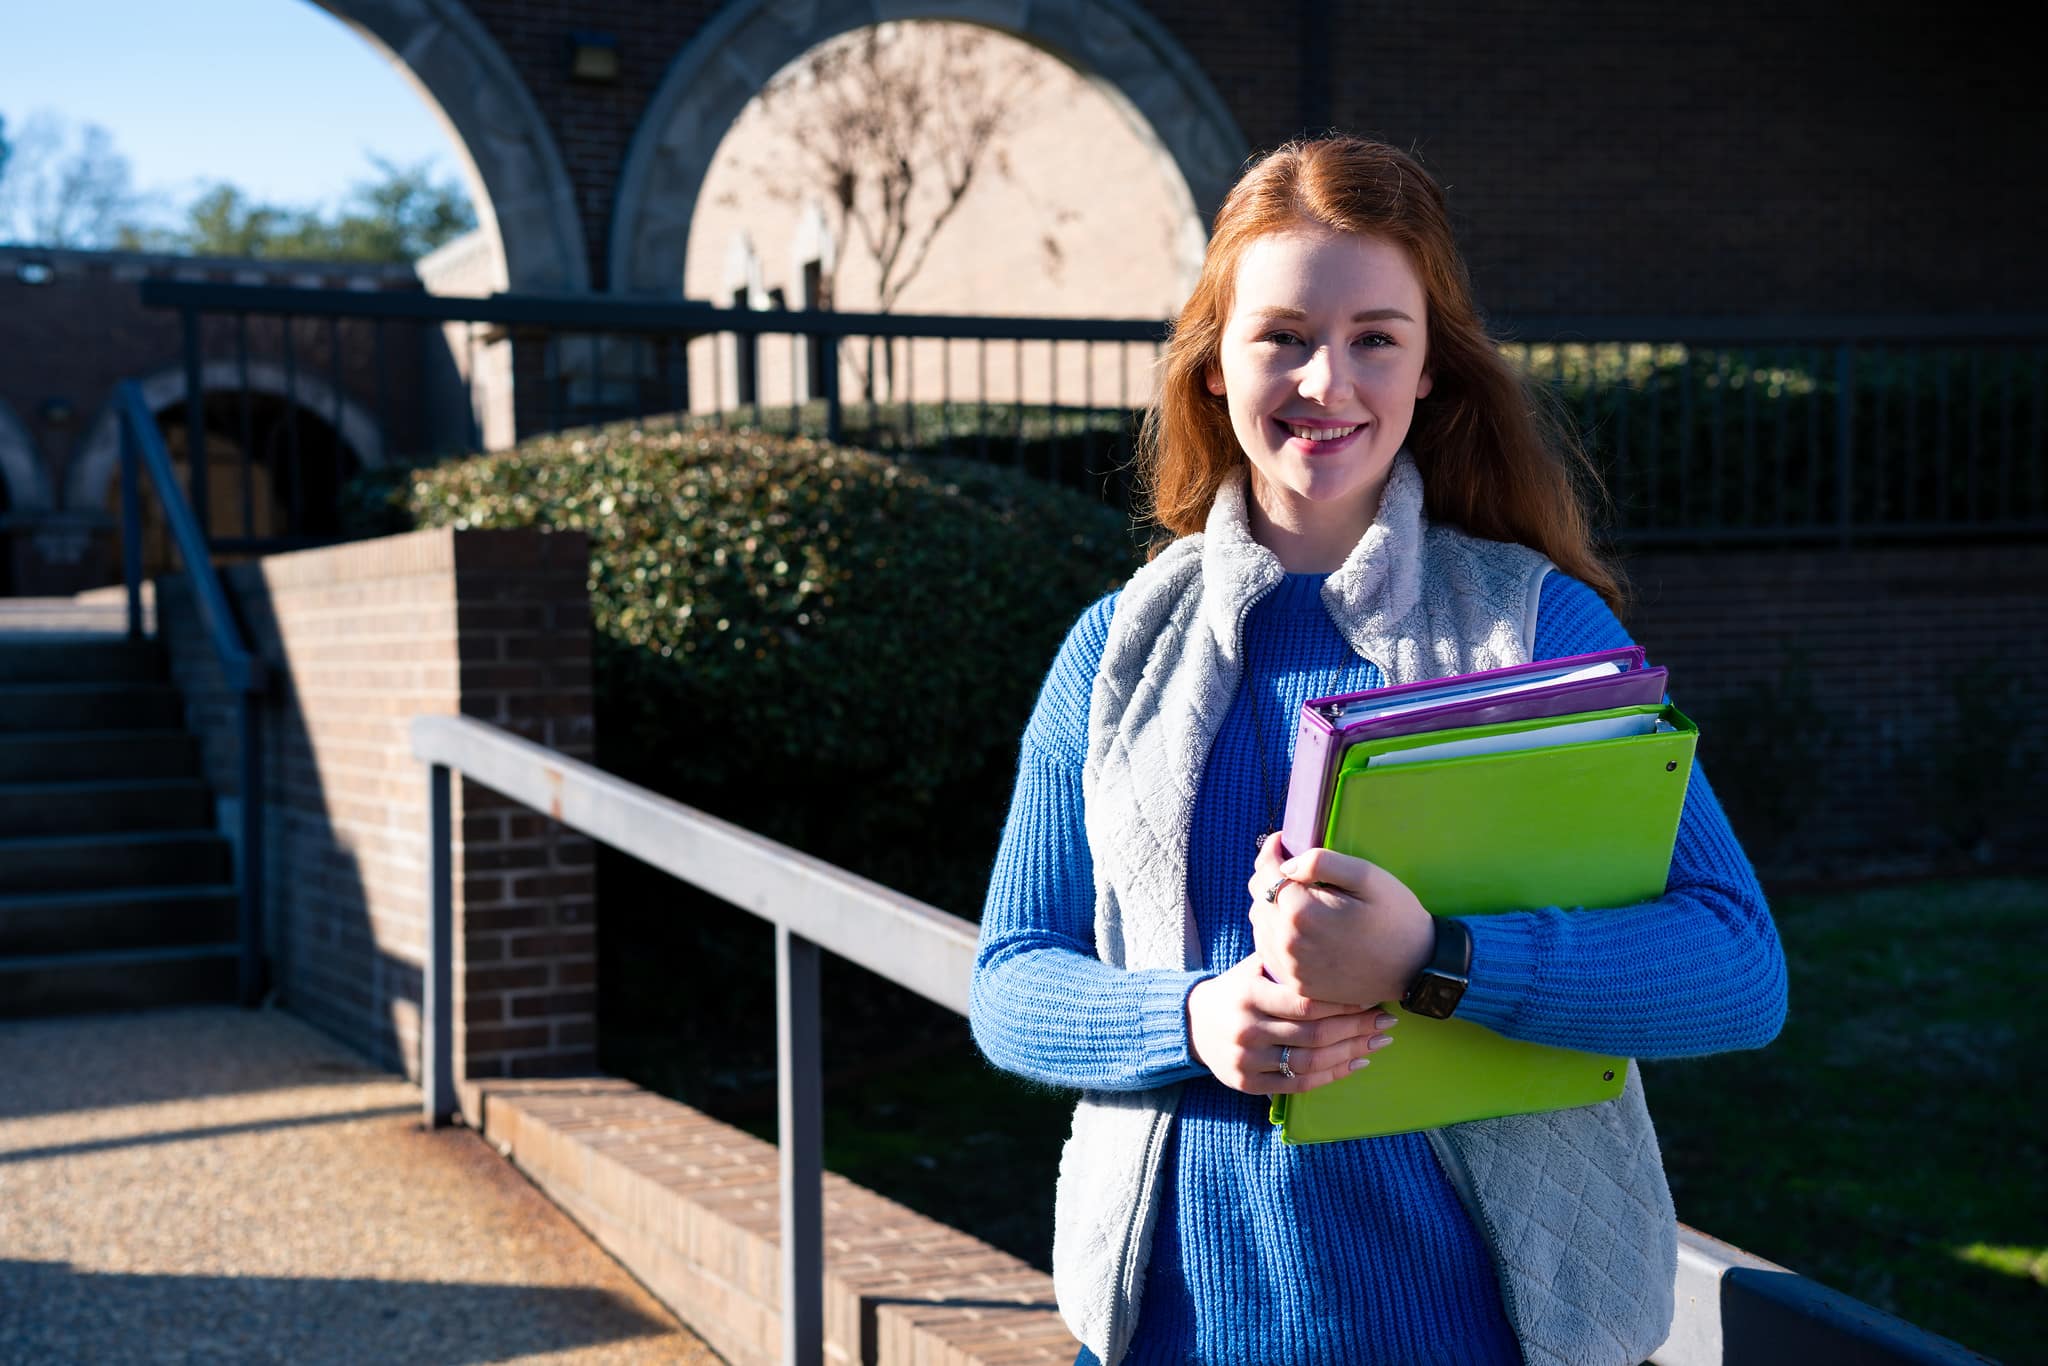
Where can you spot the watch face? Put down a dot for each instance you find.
(1436, 996)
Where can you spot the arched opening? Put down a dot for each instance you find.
(988, 209)
(302, 441)
(525, 205)
(931, 167)
(1121, 53)
(274, 471)
(257, 488)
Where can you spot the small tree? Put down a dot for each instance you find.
(891, 126)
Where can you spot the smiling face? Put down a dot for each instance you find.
(1321, 362)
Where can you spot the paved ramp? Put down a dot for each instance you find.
(226, 1186)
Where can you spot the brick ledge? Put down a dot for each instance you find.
(689, 1205)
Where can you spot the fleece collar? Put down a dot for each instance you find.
(1371, 595)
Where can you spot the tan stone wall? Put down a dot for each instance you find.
(360, 639)
(1080, 215)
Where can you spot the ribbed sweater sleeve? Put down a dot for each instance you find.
(1698, 970)
(1041, 1003)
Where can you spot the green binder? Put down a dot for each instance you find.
(1576, 825)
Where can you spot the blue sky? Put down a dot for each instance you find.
(277, 96)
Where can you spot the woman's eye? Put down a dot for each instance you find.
(1283, 338)
(1375, 339)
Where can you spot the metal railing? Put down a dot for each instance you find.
(1804, 429)
(1732, 1307)
(1054, 395)
(243, 673)
(1831, 429)
(811, 903)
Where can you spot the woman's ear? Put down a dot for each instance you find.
(1215, 380)
(1424, 385)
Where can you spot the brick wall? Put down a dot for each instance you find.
(1884, 772)
(360, 639)
(692, 1207)
(71, 338)
(1602, 157)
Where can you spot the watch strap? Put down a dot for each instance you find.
(1441, 984)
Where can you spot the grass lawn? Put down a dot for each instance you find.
(1883, 1145)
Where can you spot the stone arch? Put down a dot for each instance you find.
(1124, 52)
(28, 483)
(97, 462)
(516, 178)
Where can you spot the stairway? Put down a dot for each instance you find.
(116, 891)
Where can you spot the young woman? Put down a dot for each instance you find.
(1362, 496)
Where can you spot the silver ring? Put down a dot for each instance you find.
(1286, 1051)
(1272, 894)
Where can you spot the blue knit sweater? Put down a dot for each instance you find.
(1353, 1252)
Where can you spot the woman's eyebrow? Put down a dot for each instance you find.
(1370, 315)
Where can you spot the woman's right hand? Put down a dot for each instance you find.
(1239, 1020)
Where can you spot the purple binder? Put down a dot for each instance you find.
(1324, 735)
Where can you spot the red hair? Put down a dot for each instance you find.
(1494, 460)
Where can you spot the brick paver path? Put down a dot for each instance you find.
(226, 1186)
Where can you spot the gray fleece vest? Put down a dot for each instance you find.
(1573, 1204)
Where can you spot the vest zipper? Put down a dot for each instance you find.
(1126, 1293)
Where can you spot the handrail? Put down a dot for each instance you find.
(1731, 1306)
(626, 313)
(918, 946)
(142, 443)
(619, 314)
(811, 903)
(142, 448)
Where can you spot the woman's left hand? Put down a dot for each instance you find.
(1338, 928)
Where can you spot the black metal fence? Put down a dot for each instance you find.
(1805, 429)
(1703, 430)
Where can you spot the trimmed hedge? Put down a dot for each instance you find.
(833, 647)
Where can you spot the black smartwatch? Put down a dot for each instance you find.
(1441, 984)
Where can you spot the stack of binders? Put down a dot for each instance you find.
(1558, 783)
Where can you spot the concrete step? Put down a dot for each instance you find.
(128, 979)
(88, 808)
(89, 706)
(81, 660)
(83, 755)
(173, 858)
(123, 918)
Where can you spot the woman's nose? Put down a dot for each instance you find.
(1323, 379)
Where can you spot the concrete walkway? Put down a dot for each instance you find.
(214, 1185)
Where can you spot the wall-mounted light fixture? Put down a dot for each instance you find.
(593, 57)
(34, 272)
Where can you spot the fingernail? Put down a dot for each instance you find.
(1377, 1042)
(1357, 1063)
(1387, 1021)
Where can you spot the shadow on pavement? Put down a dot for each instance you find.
(198, 1135)
(98, 1062)
(50, 1311)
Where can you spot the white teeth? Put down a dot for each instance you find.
(1322, 433)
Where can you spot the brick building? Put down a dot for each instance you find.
(1602, 159)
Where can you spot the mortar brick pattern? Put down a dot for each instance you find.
(1887, 638)
(1602, 157)
(690, 1205)
(362, 638)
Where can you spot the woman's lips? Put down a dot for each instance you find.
(1319, 444)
